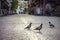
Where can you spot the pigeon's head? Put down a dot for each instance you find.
(41, 24)
(30, 23)
(49, 22)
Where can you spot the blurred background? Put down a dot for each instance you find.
(32, 7)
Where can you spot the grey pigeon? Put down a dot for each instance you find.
(29, 26)
(39, 28)
(51, 25)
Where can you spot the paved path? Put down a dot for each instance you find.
(12, 27)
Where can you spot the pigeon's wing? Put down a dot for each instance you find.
(37, 28)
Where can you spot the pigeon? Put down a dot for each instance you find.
(29, 26)
(51, 25)
(39, 28)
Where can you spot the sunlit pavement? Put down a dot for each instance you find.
(12, 27)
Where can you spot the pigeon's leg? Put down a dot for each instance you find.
(39, 31)
(28, 28)
(51, 27)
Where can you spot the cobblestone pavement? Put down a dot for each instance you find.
(12, 27)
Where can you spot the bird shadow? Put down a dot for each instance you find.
(52, 27)
(39, 32)
(28, 29)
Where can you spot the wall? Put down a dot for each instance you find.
(57, 12)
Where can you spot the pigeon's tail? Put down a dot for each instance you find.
(25, 28)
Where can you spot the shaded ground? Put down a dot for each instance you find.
(12, 27)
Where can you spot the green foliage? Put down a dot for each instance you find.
(14, 4)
